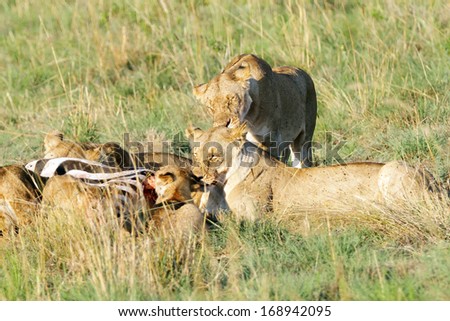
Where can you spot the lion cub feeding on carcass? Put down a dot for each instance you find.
(79, 186)
(175, 214)
(253, 181)
(278, 105)
(172, 213)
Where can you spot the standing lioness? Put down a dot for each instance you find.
(253, 181)
(278, 105)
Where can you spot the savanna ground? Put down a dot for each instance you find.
(99, 69)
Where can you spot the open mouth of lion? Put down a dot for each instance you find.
(149, 190)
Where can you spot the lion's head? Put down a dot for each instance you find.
(213, 150)
(110, 154)
(173, 183)
(229, 95)
(55, 146)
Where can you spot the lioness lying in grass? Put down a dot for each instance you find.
(254, 182)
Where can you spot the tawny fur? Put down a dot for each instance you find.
(174, 186)
(19, 198)
(97, 204)
(69, 194)
(257, 182)
(278, 105)
(111, 154)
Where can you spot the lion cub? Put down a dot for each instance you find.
(72, 195)
(19, 198)
(110, 154)
(174, 213)
(69, 194)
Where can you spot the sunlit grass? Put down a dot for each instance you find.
(99, 69)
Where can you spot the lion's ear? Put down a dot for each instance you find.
(239, 133)
(167, 177)
(192, 133)
(96, 154)
(199, 90)
(53, 138)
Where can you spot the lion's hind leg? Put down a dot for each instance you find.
(399, 183)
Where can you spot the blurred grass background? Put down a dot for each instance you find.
(99, 69)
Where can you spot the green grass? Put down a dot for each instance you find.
(261, 261)
(99, 69)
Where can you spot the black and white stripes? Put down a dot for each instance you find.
(126, 188)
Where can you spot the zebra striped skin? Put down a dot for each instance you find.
(128, 189)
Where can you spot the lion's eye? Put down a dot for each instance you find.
(243, 65)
